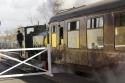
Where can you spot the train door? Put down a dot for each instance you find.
(29, 40)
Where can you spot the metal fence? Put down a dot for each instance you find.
(42, 50)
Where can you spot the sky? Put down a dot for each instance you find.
(16, 13)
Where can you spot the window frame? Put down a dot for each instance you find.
(54, 29)
(93, 22)
(71, 31)
(90, 28)
(69, 26)
(118, 24)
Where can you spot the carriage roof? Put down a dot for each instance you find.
(80, 11)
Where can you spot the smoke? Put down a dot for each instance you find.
(76, 3)
(62, 69)
(115, 75)
(85, 2)
(45, 10)
(48, 8)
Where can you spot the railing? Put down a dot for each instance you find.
(8, 45)
(45, 71)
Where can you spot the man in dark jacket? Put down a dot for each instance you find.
(20, 39)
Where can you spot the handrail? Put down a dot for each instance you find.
(22, 49)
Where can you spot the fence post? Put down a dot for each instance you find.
(49, 60)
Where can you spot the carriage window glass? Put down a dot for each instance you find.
(54, 29)
(89, 23)
(29, 30)
(61, 36)
(73, 26)
(97, 22)
(77, 25)
(93, 23)
(120, 30)
(101, 22)
(68, 26)
(122, 19)
(95, 34)
(117, 20)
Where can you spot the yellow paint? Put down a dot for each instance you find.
(120, 36)
(46, 41)
(54, 40)
(62, 41)
(120, 31)
(38, 40)
(73, 39)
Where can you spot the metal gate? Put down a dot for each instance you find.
(43, 71)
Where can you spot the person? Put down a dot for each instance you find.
(94, 46)
(20, 39)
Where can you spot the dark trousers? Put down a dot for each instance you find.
(20, 44)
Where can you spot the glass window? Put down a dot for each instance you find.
(68, 26)
(53, 29)
(122, 17)
(61, 36)
(77, 25)
(101, 22)
(95, 33)
(89, 23)
(95, 22)
(29, 30)
(73, 25)
(120, 30)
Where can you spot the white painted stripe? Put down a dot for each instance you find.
(23, 49)
(13, 52)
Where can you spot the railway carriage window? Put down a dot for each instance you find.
(89, 23)
(30, 30)
(97, 22)
(101, 22)
(77, 25)
(95, 33)
(120, 30)
(68, 26)
(54, 29)
(61, 36)
(73, 34)
(73, 26)
(93, 23)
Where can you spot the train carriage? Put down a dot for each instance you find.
(91, 36)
